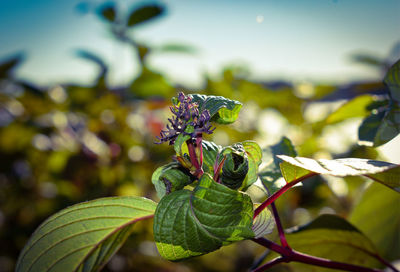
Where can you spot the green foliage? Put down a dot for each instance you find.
(83, 237)
(377, 215)
(330, 236)
(222, 110)
(144, 14)
(386, 173)
(193, 223)
(270, 173)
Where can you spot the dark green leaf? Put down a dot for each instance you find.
(383, 172)
(145, 13)
(235, 167)
(270, 173)
(380, 128)
(192, 223)
(83, 237)
(222, 110)
(333, 238)
(392, 80)
(107, 11)
(357, 107)
(377, 215)
(170, 178)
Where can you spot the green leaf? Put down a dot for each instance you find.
(383, 172)
(192, 223)
(357, 107)
(210, 152)
(332, 237)
(144, 14)
(107, 11)
(150, 84)
(170, 178)
(235, 167)
(378, 216)
(83, 237)
(392, 80)
(369, 128)
(263, 224)
(254, 155)
(270, 174)
(222, 110)
(380, 128)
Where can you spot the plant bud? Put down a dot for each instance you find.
(235, 167)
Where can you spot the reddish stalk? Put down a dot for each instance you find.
(270, 264)
(277, 194)
(290, 255)
(281, 232)
(193, 158)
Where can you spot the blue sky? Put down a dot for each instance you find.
(296, 40)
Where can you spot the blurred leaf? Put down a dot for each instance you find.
(107, 11)
(357, 107)
(332, 237)
(150, 84)
(176, 48)
(84, 236)
(145, 13)
(270, 173)
(192, 223)
(383, 172)
(369, 60)
(392, 80)
(379, 128)
(378, 216)
(254, 155)
(222, 110)
(7, 66)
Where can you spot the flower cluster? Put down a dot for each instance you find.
(187, 120)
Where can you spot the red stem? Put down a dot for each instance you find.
(291, 255)
(281, 232)
(270, 264)
(193, 158)
(278, 193)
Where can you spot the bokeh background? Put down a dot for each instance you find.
(85, 88)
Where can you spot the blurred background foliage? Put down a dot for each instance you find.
(63, 144)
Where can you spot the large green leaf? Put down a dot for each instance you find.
(377, 215)
(383, 172)
(270, 172)
(192, 223)
(83, 237)
(145, 13)
(222, 110)
(332, 237)
(358, 107)
(392, 80)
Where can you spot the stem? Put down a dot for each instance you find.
(291, 255)
(383, 261)
(260, 259)
(277, 194)
(270, 264)
(218, 168)
(193, 158)
(281, 232)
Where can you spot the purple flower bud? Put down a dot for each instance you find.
(185, 114)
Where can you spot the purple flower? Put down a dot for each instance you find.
(187, 120)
